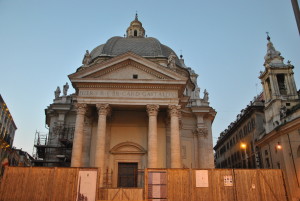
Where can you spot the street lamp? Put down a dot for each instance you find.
(278, 146)
(243, 146)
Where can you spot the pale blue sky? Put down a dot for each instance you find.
(41, 42)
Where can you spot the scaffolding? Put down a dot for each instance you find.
(54, 148)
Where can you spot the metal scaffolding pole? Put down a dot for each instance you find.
(296, 12)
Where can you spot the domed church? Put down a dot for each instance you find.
(136, 105)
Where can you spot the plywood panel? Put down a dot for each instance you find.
(64, 178)
(272, 185)
(216, 190)
(240, 185)
(179, 184)
(201, 193)
(133, 194)
(122, 194)
(220, 189)
(39, 184)
(102, 194)
(247, 186)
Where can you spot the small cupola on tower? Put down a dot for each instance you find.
(278, 77)
(279, 87)
(273, 57)
(135, 30)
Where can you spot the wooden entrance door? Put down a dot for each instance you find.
(127, 174)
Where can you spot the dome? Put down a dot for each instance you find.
(145, 47)
(135, 42)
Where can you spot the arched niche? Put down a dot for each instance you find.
(127, 152)
(127, 148)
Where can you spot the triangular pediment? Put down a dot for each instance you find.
(128, 69)
(128, 66)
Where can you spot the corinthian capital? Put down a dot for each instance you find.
(103, 109)
(152, 110)
(201, 132)
(80, 108)
(174, 110)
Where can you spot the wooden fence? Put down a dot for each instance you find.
(61, 184)
(214, 185)
(39, 183)
(136, 194)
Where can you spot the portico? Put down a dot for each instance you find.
(104, 110)
(156, 98)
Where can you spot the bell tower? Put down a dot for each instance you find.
(279, 87)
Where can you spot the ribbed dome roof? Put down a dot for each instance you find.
(145, 47)
(136, 42)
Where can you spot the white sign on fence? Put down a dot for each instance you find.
(201, 178)
(228, 180)
(86, 188)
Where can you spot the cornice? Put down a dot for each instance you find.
(128, 86)
(272, 70)
(279, 131)
(76, 82)
(207, 110)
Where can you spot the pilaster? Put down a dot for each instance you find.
(201, 134)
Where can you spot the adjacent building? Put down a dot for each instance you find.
(275, 140)
(280, 144)
(137, 105)
(7, 125)
(18, 157)
(235, 147)
(7, 132)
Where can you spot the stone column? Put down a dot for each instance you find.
(272, 90)
(174, 112)
(103, 111)
(287, 84)
(293, 83)
(78, 135)
(274, 85)
(152, 111)
(266, 90)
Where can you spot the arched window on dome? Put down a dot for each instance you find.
(135, 33)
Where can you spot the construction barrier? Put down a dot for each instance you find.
(215, 185)
(80, 184)
(41, 183)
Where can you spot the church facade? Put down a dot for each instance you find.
(136, 105)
